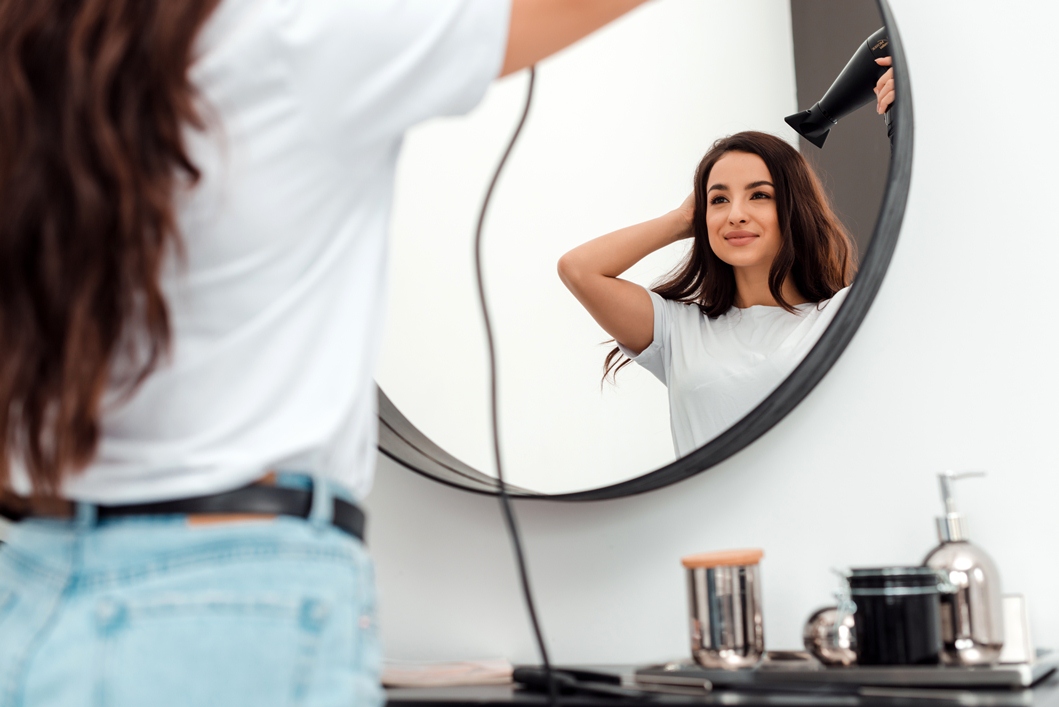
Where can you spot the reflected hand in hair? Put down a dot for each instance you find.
(884, 87)
(687, 210)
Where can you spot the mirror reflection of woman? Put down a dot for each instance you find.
(769, 265)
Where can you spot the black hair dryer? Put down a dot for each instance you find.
(853, 89)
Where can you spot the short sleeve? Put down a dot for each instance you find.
(381, 67)
(655, 358)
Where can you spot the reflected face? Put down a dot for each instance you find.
(741, 217)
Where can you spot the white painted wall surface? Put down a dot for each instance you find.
(954, 367)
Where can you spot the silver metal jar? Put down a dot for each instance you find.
(724, 597)
(829, 636)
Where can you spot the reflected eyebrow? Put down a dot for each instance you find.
(752, 185)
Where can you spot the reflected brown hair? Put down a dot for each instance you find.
(816, 252)
(94, 95)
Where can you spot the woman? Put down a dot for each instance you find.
(769, 265)
(193, 209)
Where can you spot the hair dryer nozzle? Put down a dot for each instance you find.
(812, 124)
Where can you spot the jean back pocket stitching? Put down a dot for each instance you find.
(309, 615)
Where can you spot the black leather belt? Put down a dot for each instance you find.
(254, 499)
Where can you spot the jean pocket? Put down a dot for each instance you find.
(207, 649)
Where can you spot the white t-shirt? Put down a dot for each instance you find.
(718, 370)
(277, 311)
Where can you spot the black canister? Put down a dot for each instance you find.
(898, 615)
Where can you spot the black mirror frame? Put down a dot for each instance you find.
(401, 441)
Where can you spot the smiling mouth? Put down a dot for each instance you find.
(740, 237)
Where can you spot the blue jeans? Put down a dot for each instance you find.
(153, 611)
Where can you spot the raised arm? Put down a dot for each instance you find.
(539, 28)
(591, 271)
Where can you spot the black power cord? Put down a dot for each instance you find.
(505, 500)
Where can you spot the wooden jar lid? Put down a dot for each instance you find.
(724, 558)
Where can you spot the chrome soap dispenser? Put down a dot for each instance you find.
(972, 620)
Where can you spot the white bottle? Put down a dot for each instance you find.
(972, 618)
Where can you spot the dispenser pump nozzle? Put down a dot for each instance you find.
(952, 526)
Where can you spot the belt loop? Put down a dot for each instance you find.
(85, 515)
(323, 508)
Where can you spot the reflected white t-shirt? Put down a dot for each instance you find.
(717, 370)
(277, 309)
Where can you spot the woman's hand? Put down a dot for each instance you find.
(687, 214)
(884, 87)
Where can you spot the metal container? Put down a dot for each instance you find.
(898, 616)
(724, 597)
(829, 636)
(972, 617)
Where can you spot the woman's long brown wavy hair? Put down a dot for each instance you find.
(94, 95)
(816, 253)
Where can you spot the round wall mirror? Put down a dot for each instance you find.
(617, 127)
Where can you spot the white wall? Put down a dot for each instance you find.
(618, 124)
(954, 367)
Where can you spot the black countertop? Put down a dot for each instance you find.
(1044, 694)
